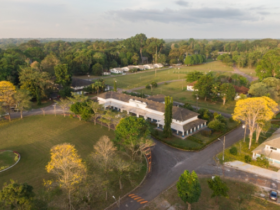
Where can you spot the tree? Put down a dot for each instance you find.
(121, 166)
(62, 75)
(35, 82)
(269, 65)
(131, 133)
(78, 98)
(227, 92)
(67, 165)
(97, 69)
(107, 118)
(7, 90)
(193, 76)
(218, 187)
(96, 108)
(64, 104)
(262, 126)
(103, 154)
(216, 125)
(188, 188)
(17, 196)
(252, 110)
(203, 86)
(115, 86)
(22, 100)
(168, 116)
(154, 46)
(189, 60)
(49, 62)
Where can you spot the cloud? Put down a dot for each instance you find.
(192, 15)
(182, 3)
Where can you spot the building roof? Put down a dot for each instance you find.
(180, 114)
(192, 84)
(241, 89)
(194, 124)
(157, 98)
(80, 82)
(272, 141)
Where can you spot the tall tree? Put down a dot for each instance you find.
(35, 82)
(188, 188)
(96, 108)
(154, 46)
(253, 110)
(49, 62)
(22, 100)
(67, 165)
(64, 104)
(62, 75)
(204, 86)
(218, 187)
(168, 116)
(7, 90)
(227, 92)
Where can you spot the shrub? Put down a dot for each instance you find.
(154, 84)
(206, 132)
(188, 106)
(217, 125)
(231, 119)
(221, 118)
(247, 158)
(262, 161)
(148, 86)
(233, 151)
(16, 157)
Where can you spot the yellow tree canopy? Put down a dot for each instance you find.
(7, 89)
(67, 165)
(253, 109)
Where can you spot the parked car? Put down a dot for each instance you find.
(273, 195)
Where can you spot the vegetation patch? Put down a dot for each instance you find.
(7, 159)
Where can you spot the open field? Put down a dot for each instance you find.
(33, 137)
(170, 198)
(178, 91)
(142, 79)
(249, 71)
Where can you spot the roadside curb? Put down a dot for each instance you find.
(147, 172)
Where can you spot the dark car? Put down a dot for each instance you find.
(273, 195)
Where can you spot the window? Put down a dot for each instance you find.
(273, 148)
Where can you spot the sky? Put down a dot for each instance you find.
(167, 19)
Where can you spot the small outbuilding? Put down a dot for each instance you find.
(190, 86)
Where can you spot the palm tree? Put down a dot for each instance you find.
(96, 108)
(63, 103)
(22, 100)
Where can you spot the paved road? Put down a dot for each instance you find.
(167, 166)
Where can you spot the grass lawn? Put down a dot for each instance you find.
(237, 189)
(178, 91)
(7, 158)
(243, 150)
(196, 141)
(138, 80)
(249, 71)
(34, 136)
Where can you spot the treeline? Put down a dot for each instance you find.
(94, 57)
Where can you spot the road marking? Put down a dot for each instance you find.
(137, 198)
(144, 202)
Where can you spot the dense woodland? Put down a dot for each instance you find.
(93, 57)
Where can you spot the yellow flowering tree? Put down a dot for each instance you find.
(253, 110)
(67, 165)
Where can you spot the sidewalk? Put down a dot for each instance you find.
(254, 170)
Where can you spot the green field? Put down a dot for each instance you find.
(33, 137)
(237, 190)
(142, 79)
(7, 158)
(249, 71)
(178, 91)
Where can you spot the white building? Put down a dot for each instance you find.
(190, 87)
(149, 66)
(106, 73)
(270, 148)
(158, 65)
(141, 67)
(184, 122)
(116, 70)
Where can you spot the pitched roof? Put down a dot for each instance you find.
(241, 89)
(157, 98)
(80, 82)
(178, 113)
(192, 83)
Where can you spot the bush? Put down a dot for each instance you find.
(197, 140)
(148, 86)
(247, 159)
(231, 119)
(221, 118)
(233, 151)
(65, 91)
(206, 132)
(217, 125)
(188, 106)
(262, 161)
(154, 84)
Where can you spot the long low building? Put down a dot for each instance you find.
(184, 122)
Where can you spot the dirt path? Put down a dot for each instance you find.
(237, 71)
